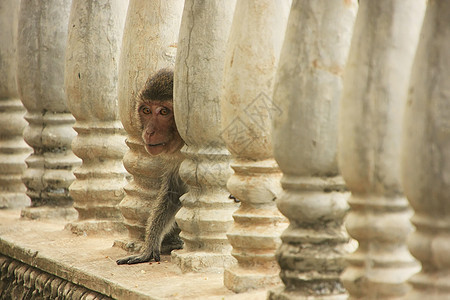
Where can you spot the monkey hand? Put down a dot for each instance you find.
(141, 258)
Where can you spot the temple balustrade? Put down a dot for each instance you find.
(316, 156)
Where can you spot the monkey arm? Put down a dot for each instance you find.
(162, 223)
(158, 225)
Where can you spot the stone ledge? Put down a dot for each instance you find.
(20, 281)
(85, 266)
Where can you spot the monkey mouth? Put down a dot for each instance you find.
(156, 145)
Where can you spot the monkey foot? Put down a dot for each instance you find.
(137, 259)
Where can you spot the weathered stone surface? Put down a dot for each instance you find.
(426, 155)
(251, 60)
(149, 44)
(207, 210)
(13, 149)
(40, 76)
(307, 93)
(375, 87)
(91, 70)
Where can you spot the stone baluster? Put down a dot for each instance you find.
(149, 44)
(375, 87)
(426, 155)
(207, 210)
(40, 77)
(91, 69)
(307, 93)
(254, 46)
(13, 149)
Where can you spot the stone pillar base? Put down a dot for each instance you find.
(201, 261)
(90, 227)
(280, 293)
(46, 212)
(13, 199)
(430, 286)
(241, 280)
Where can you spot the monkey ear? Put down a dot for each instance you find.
(140, 96)
(135, 104)
(134, 114)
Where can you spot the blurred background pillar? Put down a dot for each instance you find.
(13, 149)
(426, 155)
(91, 69)
(375, 88)
(149, 43)
(41, 47)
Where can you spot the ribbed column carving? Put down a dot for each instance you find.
(307, 92)
(149, 44)
(207, 210)
(426, 156)
(252, 57)
(375, 87)
(40, 77)
(91, 70)
(13, 149)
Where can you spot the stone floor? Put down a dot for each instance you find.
(89, 261)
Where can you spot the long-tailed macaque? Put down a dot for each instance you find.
(154, 111)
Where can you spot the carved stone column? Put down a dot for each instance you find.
(207, 210)
(92, 60)
(13, 149)
(426, 155)
(307, 93)
(254, 46)
(375, 87)
(149, 44)
(40, 77)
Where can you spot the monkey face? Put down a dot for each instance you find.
(159, 131)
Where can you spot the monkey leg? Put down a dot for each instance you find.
(171, 241)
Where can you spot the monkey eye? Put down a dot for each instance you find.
(146, 110)
(164, 111)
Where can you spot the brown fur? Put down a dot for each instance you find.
(158, 87)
